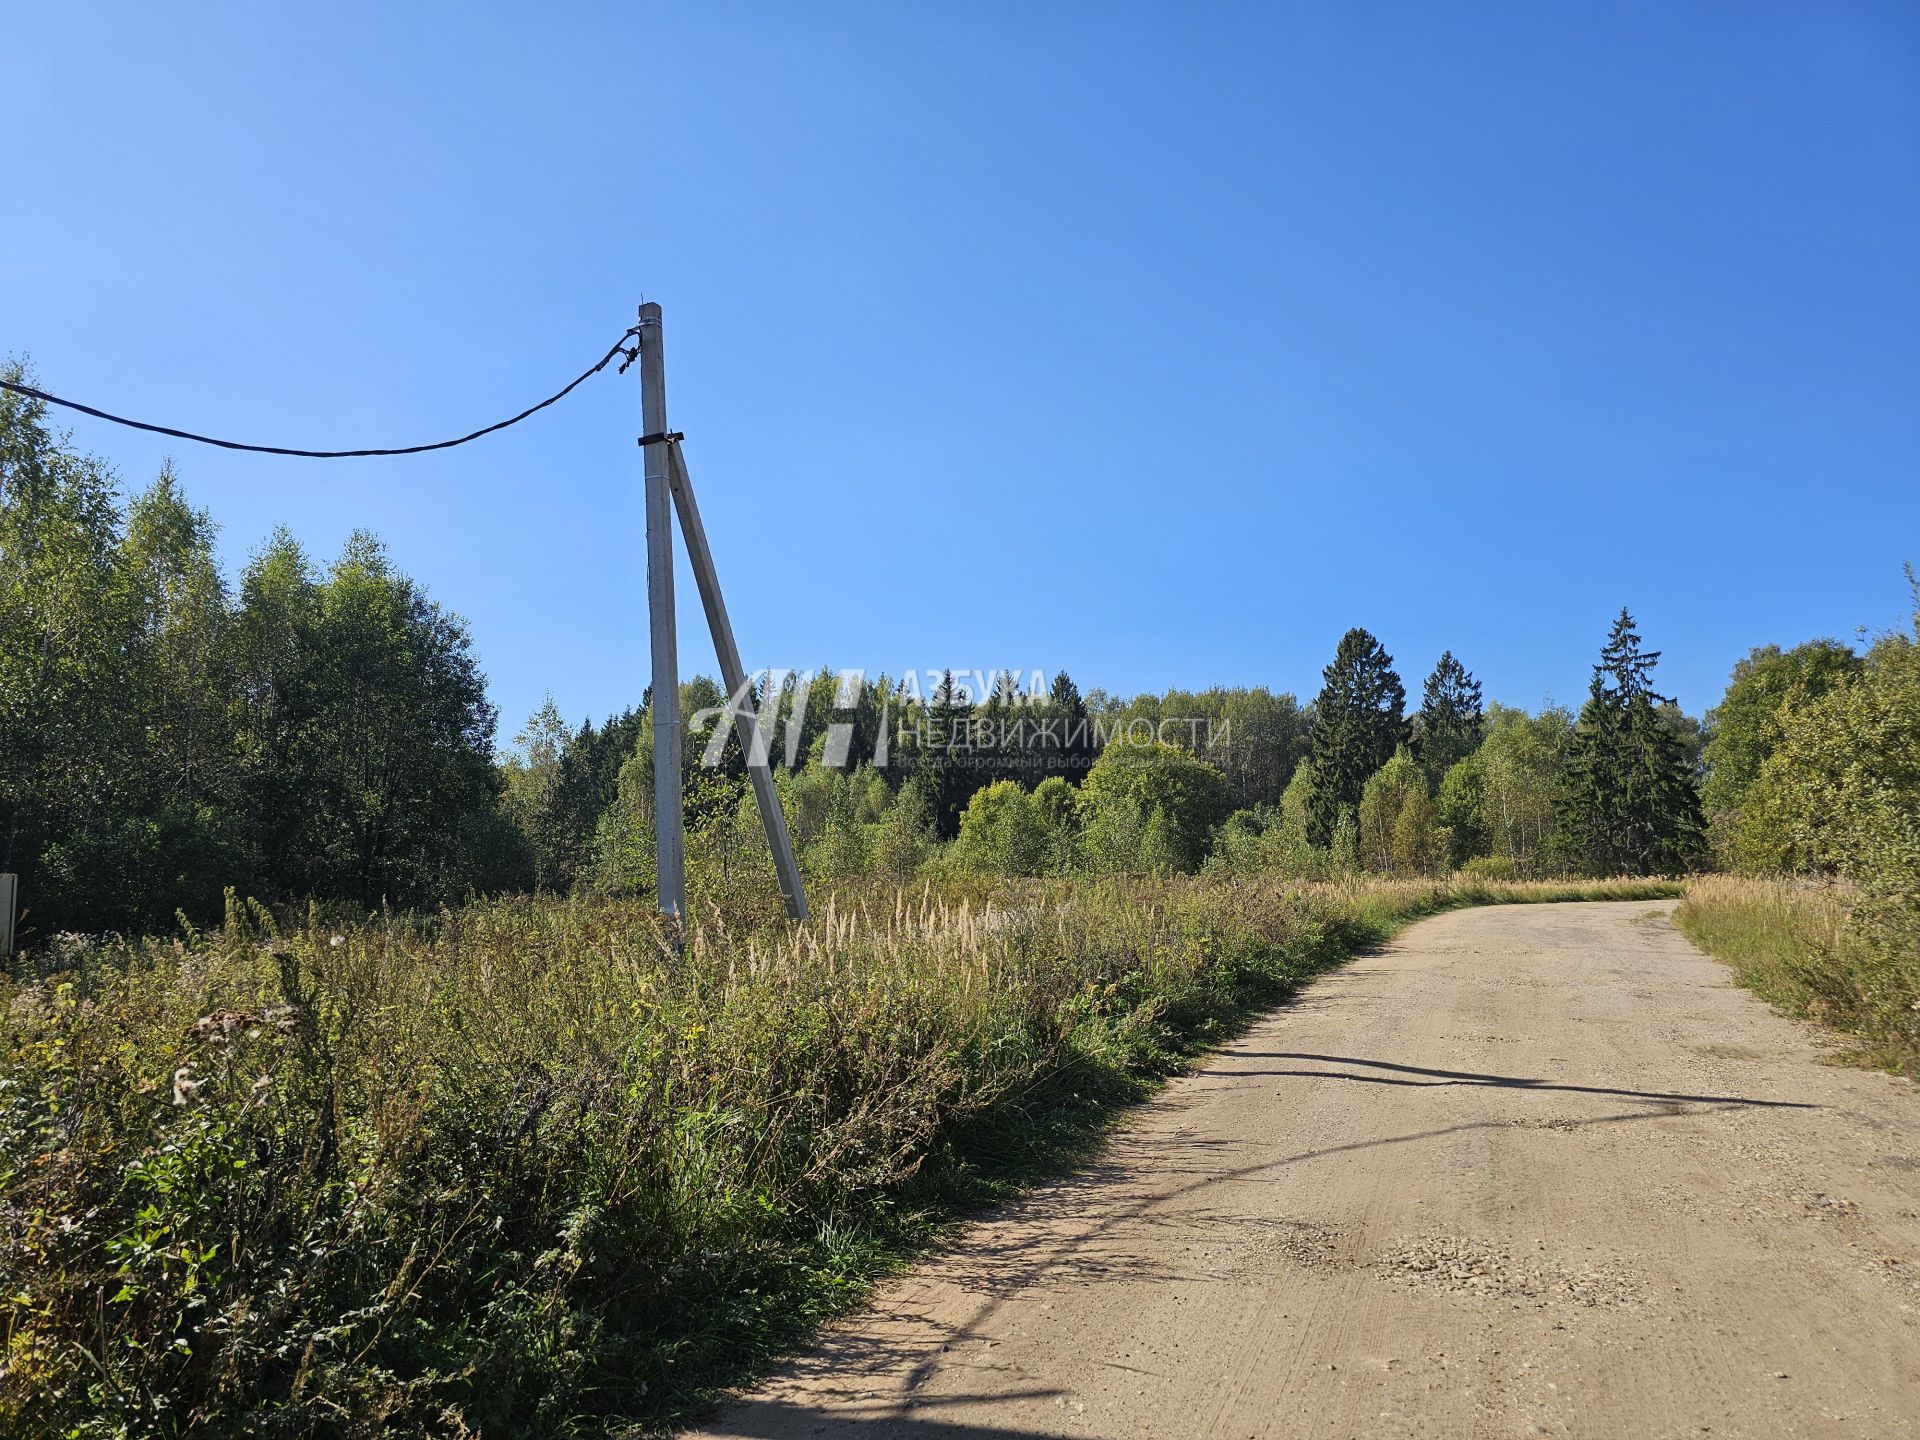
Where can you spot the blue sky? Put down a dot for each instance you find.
(1156, 343)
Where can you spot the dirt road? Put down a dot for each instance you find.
(1532, 1170)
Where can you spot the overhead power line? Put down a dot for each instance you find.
(620, 347)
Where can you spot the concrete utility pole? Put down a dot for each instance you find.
(666, 471)
(669, 818)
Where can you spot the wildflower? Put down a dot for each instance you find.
(219, 1027)
(336, 941)
(185, 1085)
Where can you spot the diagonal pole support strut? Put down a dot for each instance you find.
(734, 677)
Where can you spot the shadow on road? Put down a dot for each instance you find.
(1085, 1229)
(1469, 1077)
(778, 1420)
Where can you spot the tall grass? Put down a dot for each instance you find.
(1817, 949)
(527, 1168)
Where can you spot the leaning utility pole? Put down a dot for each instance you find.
(669, 488)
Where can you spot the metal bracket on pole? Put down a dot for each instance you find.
(670, 489)
(733, 676)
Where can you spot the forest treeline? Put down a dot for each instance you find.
(323, 733)
(1358, 780)
(163, 735)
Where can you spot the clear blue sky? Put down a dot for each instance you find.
(1157, 343)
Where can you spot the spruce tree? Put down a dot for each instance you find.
(1358, 720)
(1451, 720)
(1074, 753)
(947, 761)
(1629, 805)
(1000, 734)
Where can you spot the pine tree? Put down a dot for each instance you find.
(1358, 721)
(1629, 805)
(1451, 720)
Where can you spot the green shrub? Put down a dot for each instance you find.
(1001, 832)
(1144, 778)
(1490, 867)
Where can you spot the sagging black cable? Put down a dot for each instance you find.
(620, 347)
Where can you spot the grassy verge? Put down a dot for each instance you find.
(1818, 951)
(525, 1170)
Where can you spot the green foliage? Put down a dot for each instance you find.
(564, 833)
(1689, 736)
(1745, 726)
(1236, 845)
(1345, 844)
(903, 838)
(1499, 802)
(1266, 842)
(393, 742)
(1110, 836)
(1451, 721)
(1057, 804)
(1001, 832)
(1460, 810)
(161, 738)
(1840, 791)
(70, 766)
(1519, 775)
(1490, 867)
(1297, 801)
(944, 764)
(1815, 774)
(1358, 722)
(1253, 737)
(1161, 849)
(1188, 795)
(1628, 804)
(1073, 755)
(531, 777)
(1418, 846)
(326, 734)
(1381, 803)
